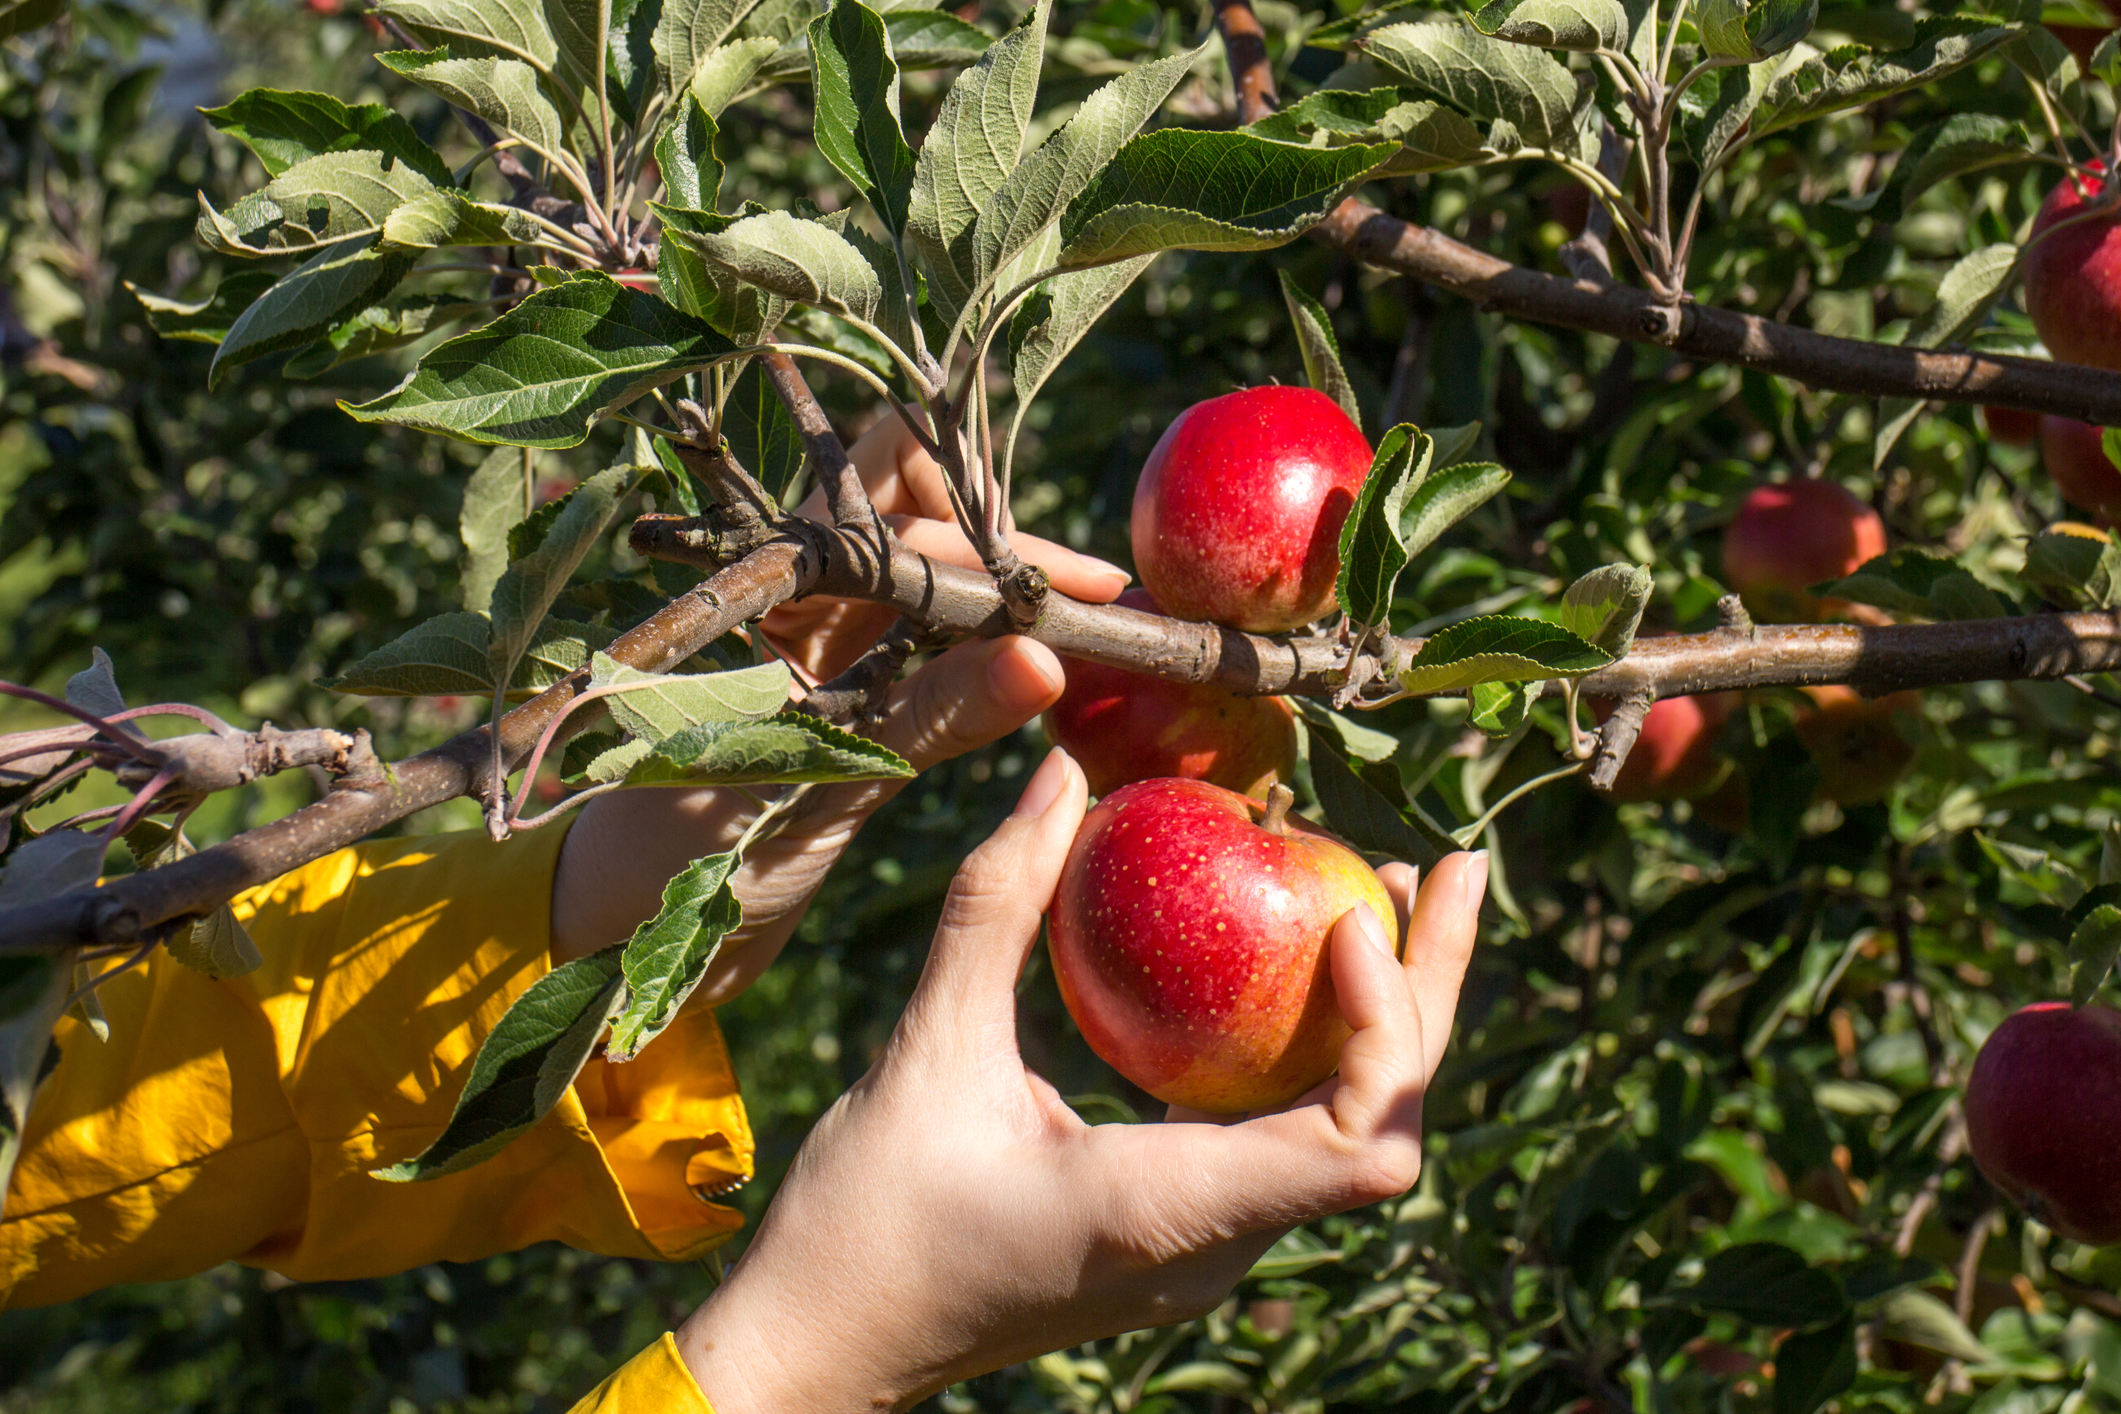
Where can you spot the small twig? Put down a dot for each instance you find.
(845, 496)
(1949, 1150)
(1617, 738)
(1245, 42)
(859, 691)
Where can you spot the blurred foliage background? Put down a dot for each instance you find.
(1677, 1038)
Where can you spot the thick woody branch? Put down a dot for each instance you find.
(845, 496)
(128, 909)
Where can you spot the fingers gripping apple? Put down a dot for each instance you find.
(1190, 938)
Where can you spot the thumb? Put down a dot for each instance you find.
(991, 917)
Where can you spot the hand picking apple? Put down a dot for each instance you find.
(950, 1214)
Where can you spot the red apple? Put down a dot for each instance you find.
(1675, 755)
(2011, 426)
(2075, 454)
(1190, 943)
(1237, 515)
(2073, 277)
(1859, 750)
(2043, 1116)
(1794, 534)
(1124, 726)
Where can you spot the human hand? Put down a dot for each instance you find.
(626, 845)
(824, 636)
(950, 1214)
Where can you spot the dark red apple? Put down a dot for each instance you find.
(1794, 534)
(1189, 940)
(2043, 1116)
(2011, 426)
(1675, 757)
(1237, 514)
(2075, 455)
(2073, 276)
(1125, 726)
(1860, 751)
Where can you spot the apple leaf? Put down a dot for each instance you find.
(855, 83)
(654, 706)
(1445, 497)
(1763, 1284)
(517, 28)
(1454, 444)
(525, 1064)
(667, 956)
(804, 261)
(216, 945)
(207, 321)
(446, 218)
(1048, 326)
(1321, 351)
(1751, 30)
(2036, 869)
(1582, 26)
(1185, 189)
(527, 589)
(337, 282)
(689, 33)
(284, 127)
(313, 205)
(52, 864)
(1852, 75)
(1917, 1317)
(448, 654)
(1484, 77)
(396, 322)
(1951, 147)
(95, 689)
(692, 174)
(762, 434)
(1372, 553)
(2092, 947)
(785, 748)
(1499, 708)
(504, 92)
(976, 141)
(2073, 571)
(1349, 737)
(725, 74)
(1604, 607)
(1812, 1367)
(1964, 298)
(1362, 814)
(1917, 583)
(1499, 649)
(542, 373)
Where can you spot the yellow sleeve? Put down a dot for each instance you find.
(239, 1119)
(652, 1382)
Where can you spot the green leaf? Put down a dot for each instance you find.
(1604, 607)
(1914, 1316)
(1499, 708)
(1346, 735)
(692, 174)
(1361, 814)
(2035, 868)
(2091, 953)
(762, 435)
(217, 945)
(95, 688)
(208, 321)
(1752, 30)
(525, 1064)
(1321, 351)
(1915, 582)
(312, 205)
(581, 30)
(493, 501)
(782, 749)
(1048, 181)
(21, 17)
(1434, 138)
(804, 261)
(285, 128)
(448, 655)
(854, 83)
(542, 373)
(504, 92)
(688, 35)
(1371, 551)
(1182, 189)
(933, 39)
(402, 320)
(1447, 495)
(49, 865)
(1454, 444)
(1852, 75)
(33, 993)
(1484, 77)
(1952, 147)
(724, 74)
(1814, 1366)
(1765, 1284)
(975, 142)
(654, 706)
(2047, 64)
(526, 590)
(305, 304)
(515, 28)
(445, 218)
(1335, 114)
(1964, 296)
(667, 956)
(1499, 650)
(2074, 571)
(1049, 325)
(1583, 26)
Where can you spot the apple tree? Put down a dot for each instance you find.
(535, 324)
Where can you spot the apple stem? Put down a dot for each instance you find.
(1279, 799)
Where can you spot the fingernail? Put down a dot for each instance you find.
(1108, 567)
(1372, 928)
(1025, 676)
(1045, 786)
(1477, 879)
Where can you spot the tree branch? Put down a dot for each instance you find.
(1245, 42)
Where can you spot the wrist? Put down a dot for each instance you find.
(754, 1357)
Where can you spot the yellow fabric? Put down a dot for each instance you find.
(652, 1382)
(239, 1119)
